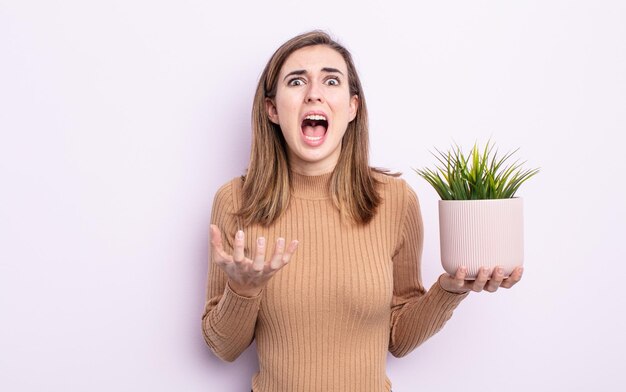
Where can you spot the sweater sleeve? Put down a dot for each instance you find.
(416, 314)
(228, 321)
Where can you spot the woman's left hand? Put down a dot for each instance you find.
(486, 280)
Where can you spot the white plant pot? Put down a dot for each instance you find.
(475, 233)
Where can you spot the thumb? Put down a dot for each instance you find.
(456, 283)
(217, 247)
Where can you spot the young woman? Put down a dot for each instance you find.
(325, 316)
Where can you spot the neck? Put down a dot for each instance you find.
(310, 186)
(324, 166)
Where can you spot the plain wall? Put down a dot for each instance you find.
(120, 119)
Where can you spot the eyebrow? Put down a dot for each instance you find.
(302, 72)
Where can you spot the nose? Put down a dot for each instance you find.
(314, 93)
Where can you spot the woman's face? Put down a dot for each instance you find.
(313, 107)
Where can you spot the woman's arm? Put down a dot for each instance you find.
(228, 320)
(416, 314)
(236, 282)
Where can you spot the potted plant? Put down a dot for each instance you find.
(480, 220)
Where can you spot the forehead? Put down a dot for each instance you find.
(314, 58)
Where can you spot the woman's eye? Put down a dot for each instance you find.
(332, 82)
(296, 82)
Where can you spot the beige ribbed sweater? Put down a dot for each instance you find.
(350, 294)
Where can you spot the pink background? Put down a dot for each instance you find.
(120, 119)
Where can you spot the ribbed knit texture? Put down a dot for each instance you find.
(351, 293)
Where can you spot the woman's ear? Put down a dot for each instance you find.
(354, 106)
(272, 113)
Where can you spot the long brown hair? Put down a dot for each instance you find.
(266, 185)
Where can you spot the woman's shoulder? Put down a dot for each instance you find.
(229, 192)
(398, 199)
(231, 185)
(390, 182)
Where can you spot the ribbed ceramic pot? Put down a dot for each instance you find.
(475, 233)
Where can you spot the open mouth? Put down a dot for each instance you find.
(314, 127)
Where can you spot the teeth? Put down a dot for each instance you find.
(313, 138)
(315, 117)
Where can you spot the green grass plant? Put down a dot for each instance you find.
(481, 174)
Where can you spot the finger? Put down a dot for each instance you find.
(455, 284)
(238, 252)
(216, 238)
(515, 277)
(259, 256)
(481, 280)
(461, 273)
(291, 249)
(279, 249)
(459, 278)
(217, 248)
(496, 280)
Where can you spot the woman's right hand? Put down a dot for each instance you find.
(247, 277)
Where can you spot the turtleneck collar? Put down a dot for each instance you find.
(310, 187)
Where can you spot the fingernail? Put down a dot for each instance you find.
(521, 271)
(500, 271)
(260, 241)
(281, 242)
(239, 235)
